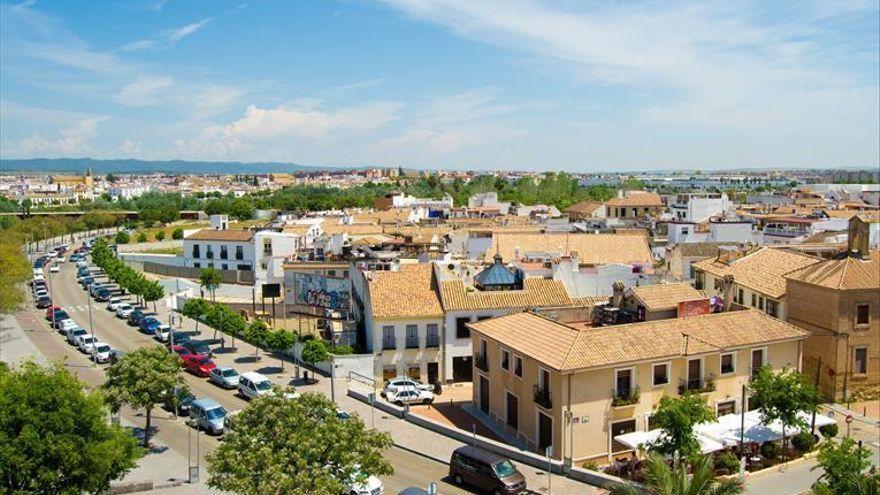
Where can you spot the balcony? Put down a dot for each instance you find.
(412, 342)
(696, 386)
(623, 398)
(389, 344)
(481, 362)
(432, 341)
(542, 397)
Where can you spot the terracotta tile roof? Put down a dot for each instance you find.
(844, 274)
(567, 349)
(407, 293)
(300, 229)
(584, 207)
(699, 249)
(661, 297)
(589, 301)
(637, 198)
(536, 292)
(762, 270)
(592, 249)
(232, 235)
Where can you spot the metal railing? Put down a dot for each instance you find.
(433, 340)
(696, 385)
(412, 342)
(389, 344)
(543, 398)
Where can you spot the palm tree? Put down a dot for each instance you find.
(661, 479)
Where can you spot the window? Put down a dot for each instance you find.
(197, 251)
(414, 371)
(331, 273)
(761, 303)
(197, 265)
(344, 273)
(757, 360)
(618, 429)
(684, 231)
(754, 300)
(267, 247)
(239, 252)
(727, 363)
(433, 335)
(863, 314)
(772, 307)
(718, 284)
(389, 372)
(740, 298)
(224, 254)
(661, 374)
(728, 407)
(388, 341)
(860, 361)
(225, 266)
(412, 336)
(517, 366)
(695, 374)
(461, 331)
(505, 360)
(209, 253)
(245, 267)
(623, 382)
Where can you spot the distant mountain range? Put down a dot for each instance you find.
(101, 167)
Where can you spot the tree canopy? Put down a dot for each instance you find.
(660, 478)
(296, 447)
(314, 351)
(677, 416)
(781, 396)
(842, 467)
(55, 437)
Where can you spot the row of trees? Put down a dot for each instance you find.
(126, 277)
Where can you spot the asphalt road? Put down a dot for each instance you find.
(410, 469)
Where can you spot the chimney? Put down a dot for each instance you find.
(727, 287)
(617, 294)
(858, 237)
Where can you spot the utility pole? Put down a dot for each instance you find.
(92, 330)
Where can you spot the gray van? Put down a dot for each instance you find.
(206, 414)
(487, 471)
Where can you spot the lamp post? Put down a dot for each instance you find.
(92, 330)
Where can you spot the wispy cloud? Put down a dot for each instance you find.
(166, 38)
(71, 141)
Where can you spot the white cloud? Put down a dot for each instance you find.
(131, 148)
(72, 141)
(144, 91)
(182, 32)
(167, 38)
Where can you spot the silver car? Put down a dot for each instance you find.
(224, 376)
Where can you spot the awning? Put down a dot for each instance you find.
(639, 439)
(727, 428)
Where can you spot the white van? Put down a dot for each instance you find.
(252, 385)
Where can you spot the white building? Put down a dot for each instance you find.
(220, 249)
(699, 207)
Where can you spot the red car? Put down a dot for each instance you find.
(182, 352)
(51, 310)
(198, 364)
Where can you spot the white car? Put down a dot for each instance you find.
(41, 293)
(54, 269)
(370, 486)
(410, 395)
(163, 333)
(113, 303)
(82, 263)
(59, 259)
(74, 334)
(66, 326)
(52, 254)
(403, 382)
(85, 343)
(123, 310)
(38, 271)
(102, 352)
(252, 385)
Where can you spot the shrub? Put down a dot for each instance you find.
(122, 237)
(829, 431)
(770, 450)
(142, 237)
(341, 350)
(590, 466)
(728, 461)
(160, 235)
(803, 441)
(177, 233)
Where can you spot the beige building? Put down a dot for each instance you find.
(659, 301)
(758, 277)
(576, 388)
(635, 205)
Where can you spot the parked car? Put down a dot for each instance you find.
(487, 471)
(123, 310)
(40, 292)
(102, 352)
(85, 343)
(135, 317)
(198, 347)
(179, 337)
(410, 395)
(180, 398)
(102, 294)
(198, 364)
(44, 302)
(370, 486)
(75, 334)
(50, 310)
(224, 376)
(66, 326)
(116, 355)
(162, 333)
(182, 352)
(54, 268)
(206, 414)
(87, 281)
(60, 315)
(95, 287)
(252, 385)
(113, 303)
(149, 324)
(402, 381)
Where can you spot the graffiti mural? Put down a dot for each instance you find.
(321, 291)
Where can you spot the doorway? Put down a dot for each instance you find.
(545, 431)
(512, 411)
(462, 369)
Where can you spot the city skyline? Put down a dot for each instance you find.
(447, 85)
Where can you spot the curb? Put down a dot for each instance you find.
(420, 454)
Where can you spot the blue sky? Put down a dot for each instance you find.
(524, 84)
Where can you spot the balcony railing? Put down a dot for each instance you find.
(542, 397)
(389, 344)
(412, 342)
(696, 385)
(432, 341)
(625, 397)
(481, 362)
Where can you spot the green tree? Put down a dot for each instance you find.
(14, 272)
(314, 351)
(160, 235)
(177, 233)
(665, 480)
(304, 449)
(152, 292)
(54, 435)
(677, 416)
(26, 205)
(782, 397)
(842, 467)
(122, 237)
(279, 341)
(142, 237)
(195, 309)
(110, 177)
(210, 278)
(141, 379)
(257, 333)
